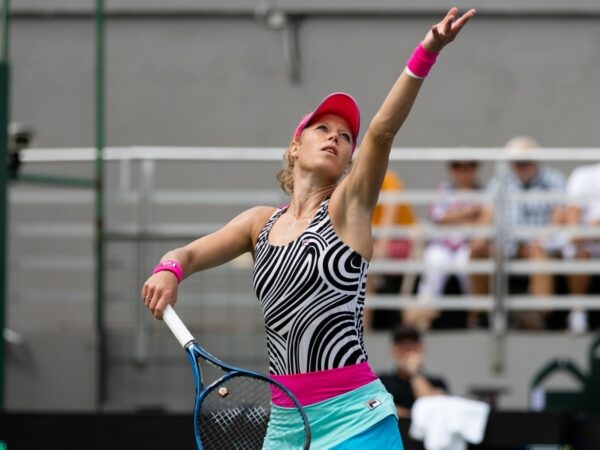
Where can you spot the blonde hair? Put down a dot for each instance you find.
(285, 176)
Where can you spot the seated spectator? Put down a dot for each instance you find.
(583, 208)
(524, 175)
(408, 381)
(454, 249)
(387, 215)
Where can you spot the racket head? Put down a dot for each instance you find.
(236, 412)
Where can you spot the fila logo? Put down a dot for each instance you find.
(168, 264)
(373, 403)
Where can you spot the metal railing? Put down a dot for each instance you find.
(146, 196)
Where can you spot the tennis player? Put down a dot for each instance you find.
(311, 259)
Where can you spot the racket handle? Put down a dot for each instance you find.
(177, 327)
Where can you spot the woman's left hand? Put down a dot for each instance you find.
(444, 32)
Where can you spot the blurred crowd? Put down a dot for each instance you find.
(576, 204)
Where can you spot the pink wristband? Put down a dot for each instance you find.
(172, 266)
(420, 62)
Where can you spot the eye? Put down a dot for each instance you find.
(346, 137)
(321, 127)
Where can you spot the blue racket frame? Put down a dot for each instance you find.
(195, 351)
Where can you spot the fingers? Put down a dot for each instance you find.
(436, 33)
(155, 303)
(452, 12)
(452, 25)
(146, 295)
(446, 24)
(446, 30)
(147, 298)
(461, 21)
(158, 293)
(158, 310)
(443, 29)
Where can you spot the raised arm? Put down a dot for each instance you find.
(365, 179)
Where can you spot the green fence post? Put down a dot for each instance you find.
(4, 83)
(4, 119)
(99, 197)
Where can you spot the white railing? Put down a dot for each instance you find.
(136, 189)
(146, 196)
(82, 154)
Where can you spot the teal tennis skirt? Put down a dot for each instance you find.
(364, 419)
(385, 434)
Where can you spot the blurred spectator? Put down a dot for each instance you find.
(524, 175)
(408, 382)
(387, 215)
(454, 249)
(583, 208)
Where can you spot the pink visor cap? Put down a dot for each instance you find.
(340, 104)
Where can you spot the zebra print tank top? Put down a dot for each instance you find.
(312, 293)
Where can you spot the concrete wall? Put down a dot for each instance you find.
(205, 80)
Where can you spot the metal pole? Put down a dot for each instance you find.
(99, 204)
(4, 119)
(142, 325)
(5, 30)
(500, 279)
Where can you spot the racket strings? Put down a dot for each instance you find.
(236, 414)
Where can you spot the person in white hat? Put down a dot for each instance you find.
(526, 174)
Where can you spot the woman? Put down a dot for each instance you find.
(311, 259)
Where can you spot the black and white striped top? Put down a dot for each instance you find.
(312, 293)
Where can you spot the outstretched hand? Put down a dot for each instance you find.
(444, 32)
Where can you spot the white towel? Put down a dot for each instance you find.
(445, 422)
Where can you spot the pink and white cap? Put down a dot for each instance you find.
(340, 104)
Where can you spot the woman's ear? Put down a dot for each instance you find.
(294, 149)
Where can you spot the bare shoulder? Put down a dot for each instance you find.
(255, 214)
(260, 213)
(255, 218)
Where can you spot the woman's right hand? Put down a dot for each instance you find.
(159, 291)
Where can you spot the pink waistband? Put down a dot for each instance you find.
(314, 387)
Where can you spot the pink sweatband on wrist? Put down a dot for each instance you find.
(420, 62)
(172, 266)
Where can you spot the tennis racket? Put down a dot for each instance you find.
(235, 411)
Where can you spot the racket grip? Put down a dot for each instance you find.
(177, 327)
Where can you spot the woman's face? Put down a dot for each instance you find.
(326, 144)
